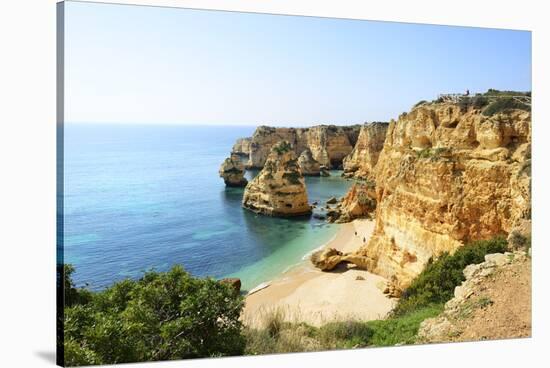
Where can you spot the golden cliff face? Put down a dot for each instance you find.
(446, 177)
(328, 144)
(361, 162)
(279, 189)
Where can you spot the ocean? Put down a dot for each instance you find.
(147, 197)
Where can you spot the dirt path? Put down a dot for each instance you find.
(495, 306)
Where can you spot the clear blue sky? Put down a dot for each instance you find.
(133, 64)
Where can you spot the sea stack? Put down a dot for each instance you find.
(232, 172)
(308, 165)
(279, 189)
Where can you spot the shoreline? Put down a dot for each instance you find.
(306, 294)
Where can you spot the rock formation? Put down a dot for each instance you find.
(444, 178)
(242, 147)
(232, 172)
(447, 176)
(361, 162)
(308, 164)
(279, 188)
(359, 202)
(328, 144)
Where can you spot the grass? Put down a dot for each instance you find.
(284, 337)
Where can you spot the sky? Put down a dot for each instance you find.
(154, 65)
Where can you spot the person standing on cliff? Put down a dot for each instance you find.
(467, 92)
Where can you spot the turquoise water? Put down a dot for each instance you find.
(140, 197)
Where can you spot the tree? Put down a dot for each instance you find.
(161, 316)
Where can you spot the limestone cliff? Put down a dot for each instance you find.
(308, 165)
(328, 144)
(242, 147)
(279, 188)
(361, 162)
(447, 176)
(232, 171)
(358, 202)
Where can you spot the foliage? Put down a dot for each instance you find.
(504, 104)
(421, 102)
(72, 295)
(161, 316)
(292, 177)
(437, 282)
(295, 337)
(433, 153)
(282, 147)
(496, 92)
(401, 329)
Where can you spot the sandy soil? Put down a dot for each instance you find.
(509, 313)
(306, 294)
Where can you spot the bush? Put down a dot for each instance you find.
(162, 316)
(436, 284)
(479, 102)
(282, 147)
(504, 104)
(292, 177)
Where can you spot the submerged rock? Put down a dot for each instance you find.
(279, 189)
(232, 172)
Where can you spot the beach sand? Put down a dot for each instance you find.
(306, 294)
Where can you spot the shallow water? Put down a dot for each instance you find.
(139, 197)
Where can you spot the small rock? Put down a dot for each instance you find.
(361, 278)
(332, 200)
(233, 282)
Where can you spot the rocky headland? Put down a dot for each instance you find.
(279, 188)
(447, 175)
(329, 144)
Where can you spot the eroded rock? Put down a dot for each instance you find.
(279, 189)
(232, 172)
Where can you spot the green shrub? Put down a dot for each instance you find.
(421, 102)
(292, 177)
(496, 92)
(436, 284)
(479, 102)
(161, 316)
(282, 147)
(504, 104)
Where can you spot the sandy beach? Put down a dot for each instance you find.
(306, 294)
